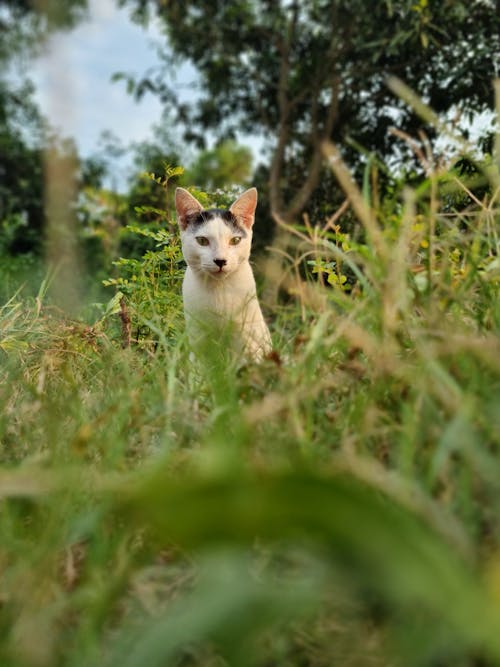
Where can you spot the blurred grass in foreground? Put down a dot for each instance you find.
(336, 505)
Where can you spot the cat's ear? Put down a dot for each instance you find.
(185, 205)
(244, 207)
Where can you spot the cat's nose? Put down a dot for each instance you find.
(220, 262)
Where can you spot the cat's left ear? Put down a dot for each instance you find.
(244, 207)
(185, 205)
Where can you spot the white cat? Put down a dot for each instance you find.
(219, 287)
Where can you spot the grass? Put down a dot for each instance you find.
(336, 504)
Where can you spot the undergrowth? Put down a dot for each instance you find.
(336, 504)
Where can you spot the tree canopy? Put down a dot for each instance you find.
(225, 164)
(300, 72)
(23, 132)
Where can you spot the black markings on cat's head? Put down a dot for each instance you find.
(198, 218)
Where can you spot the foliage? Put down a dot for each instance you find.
(21, 184)
(300, 73)
(155, 158)
(23, 133)
(225, 165)
(152, 284)
(335, 504)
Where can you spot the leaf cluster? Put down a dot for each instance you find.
(248, 54)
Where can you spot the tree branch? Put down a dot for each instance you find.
(314, 171)
(275, 194)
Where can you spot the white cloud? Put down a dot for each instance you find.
(74, 87)
(102, 10)
(73, 78)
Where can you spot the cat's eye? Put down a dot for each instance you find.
(202, 240)
(235, 240)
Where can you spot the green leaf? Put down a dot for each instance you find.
(113, 306)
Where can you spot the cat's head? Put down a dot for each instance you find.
(215, 241)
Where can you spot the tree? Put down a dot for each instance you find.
(23, 133)
(21, 177)
(309, 70)
(224, 165)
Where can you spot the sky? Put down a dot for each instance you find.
(73, 78)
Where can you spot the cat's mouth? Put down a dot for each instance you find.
(217, 272)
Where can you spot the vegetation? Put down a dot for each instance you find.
(336, 504)
(299, 73)
(24, 135)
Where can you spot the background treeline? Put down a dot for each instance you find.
(290, 74)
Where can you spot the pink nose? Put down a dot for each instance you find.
(220, 262)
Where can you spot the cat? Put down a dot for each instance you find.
(219, 287)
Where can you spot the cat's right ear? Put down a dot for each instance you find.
(186, 206)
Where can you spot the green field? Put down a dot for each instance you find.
(337, 504)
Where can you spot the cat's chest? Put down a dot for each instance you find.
(227, 298)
